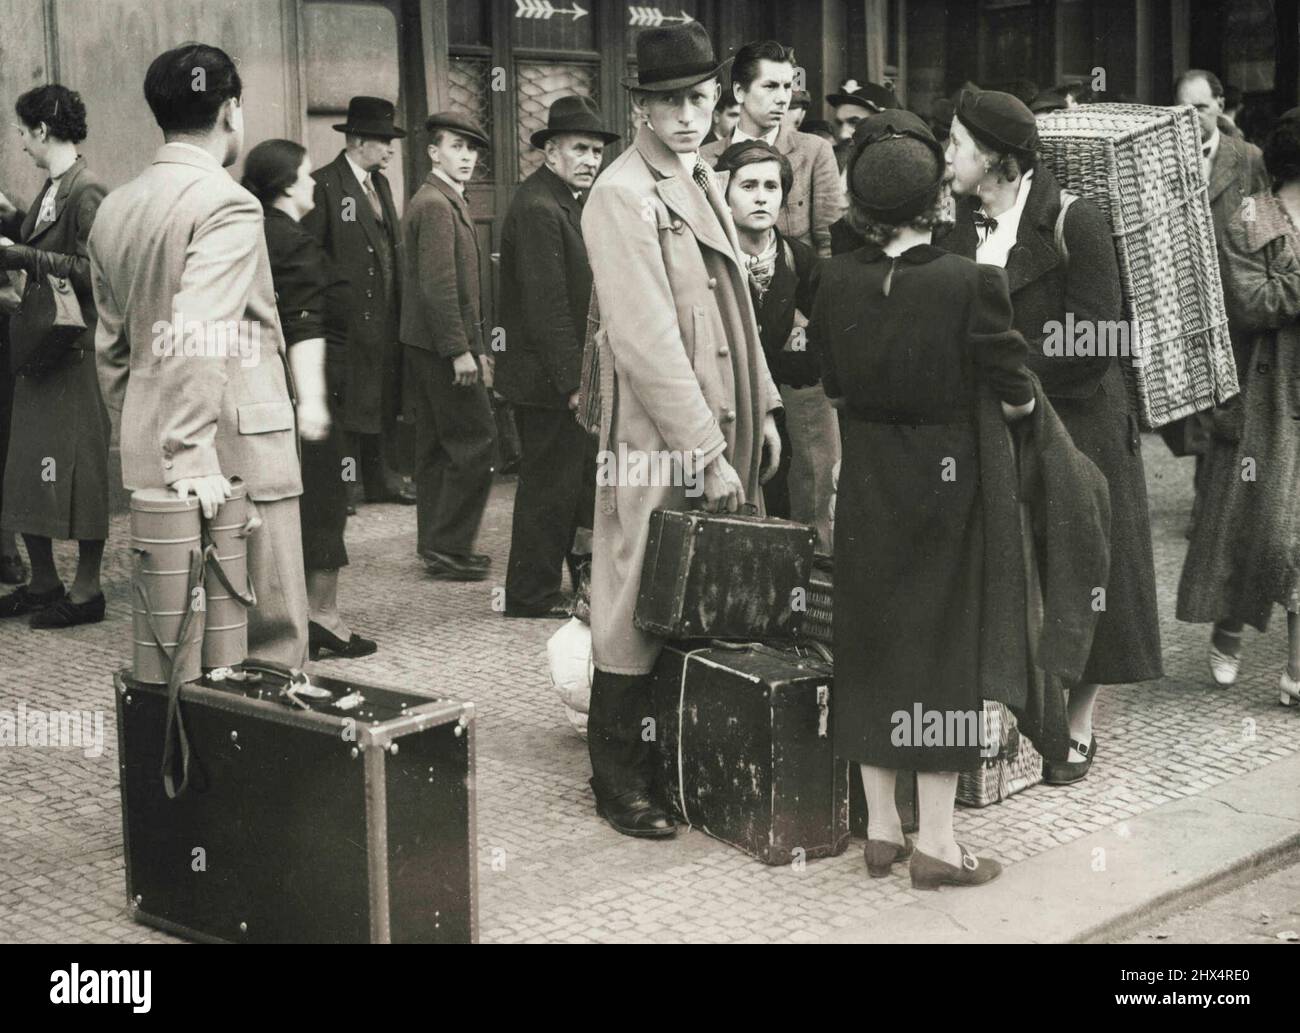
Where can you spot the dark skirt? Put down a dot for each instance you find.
(323, 508)
(908, 572)
(1126, 644)
(56, 469)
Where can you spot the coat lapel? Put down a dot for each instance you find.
(1223, 170)
(365, 214)
(563, 197)
(1034, 252)
(31, 232)
(707, 216)
(459, 205)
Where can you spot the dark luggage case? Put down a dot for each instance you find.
(723, 576)
(349, 820)
(757, 758)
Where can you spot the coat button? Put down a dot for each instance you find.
(713, 282)
(370, 294)
(372, 270)
(724, 350)
(366, 316)
(728, 417)
(167, 464)
(370, 249)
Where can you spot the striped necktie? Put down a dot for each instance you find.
(373, 197)
(701, 175)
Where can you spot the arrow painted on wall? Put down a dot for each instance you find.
(654, 16)
(545, 10)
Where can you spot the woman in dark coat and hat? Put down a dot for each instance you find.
(907, 374)
(1008, 218)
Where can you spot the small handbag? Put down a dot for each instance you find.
(45, 327)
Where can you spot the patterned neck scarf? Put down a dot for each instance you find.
(762, 267)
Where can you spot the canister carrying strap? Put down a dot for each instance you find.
(214, 563)
(174, 735)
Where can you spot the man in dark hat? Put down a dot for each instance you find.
(545, 290)
(446, 368)
(356, 223)
(853, 102)
(685, 381)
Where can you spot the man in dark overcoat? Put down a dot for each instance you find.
(545, 291)
(356, 222)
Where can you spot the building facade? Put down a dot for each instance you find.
(504, 61)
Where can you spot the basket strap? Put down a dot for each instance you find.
(213, 563)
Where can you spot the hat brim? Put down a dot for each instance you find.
(478, 138)
(837, 99)
(539, 138)
(395, 134)
(668, 85)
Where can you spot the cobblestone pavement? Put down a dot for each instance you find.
(1264, 910)
(549, 869)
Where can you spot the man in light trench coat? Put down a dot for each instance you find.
(689, 379)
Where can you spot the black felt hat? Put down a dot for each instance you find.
(572, 115)
(999, 121)
(871, 96)
(371, 116)
(895, 167)
(672, 57)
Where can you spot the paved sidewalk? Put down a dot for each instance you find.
(549, 869)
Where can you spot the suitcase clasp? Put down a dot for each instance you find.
(824, 710)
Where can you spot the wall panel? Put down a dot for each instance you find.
(22, 66)
(105, 46)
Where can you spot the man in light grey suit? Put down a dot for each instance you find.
(189, 346)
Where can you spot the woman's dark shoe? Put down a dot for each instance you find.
(929, 873)
(1064, 772)
(22, 601)
(13, 571)
(64, 613)
(320, 640)
(880, 854)
(634, 813)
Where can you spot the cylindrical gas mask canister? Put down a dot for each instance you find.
(225, 641)
(166, 538)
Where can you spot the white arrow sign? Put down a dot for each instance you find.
(544, 10)
(654, 16)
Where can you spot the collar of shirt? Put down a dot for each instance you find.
(995, 248)
(361, 174)
(768, 138)
(1210, 147)
(458, 187)
(688, 161)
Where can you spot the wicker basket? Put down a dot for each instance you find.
(1142, 167)
(818, 624)
(1017, 765)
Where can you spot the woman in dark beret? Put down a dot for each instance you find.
(312, 303)
(1007, 218)
(909, 337)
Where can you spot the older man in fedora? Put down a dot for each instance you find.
(447, 372)
(356, 223)
(545, 290)
(689, 381)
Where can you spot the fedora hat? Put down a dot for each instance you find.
(371, 116)
(457, 123)
(572, 115)
(871, 96)
(673, 57)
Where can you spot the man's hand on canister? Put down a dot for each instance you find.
(211, 491)
(465, 367)
(723, 492)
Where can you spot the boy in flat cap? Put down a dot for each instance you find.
(689, 381)
(446, 371)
